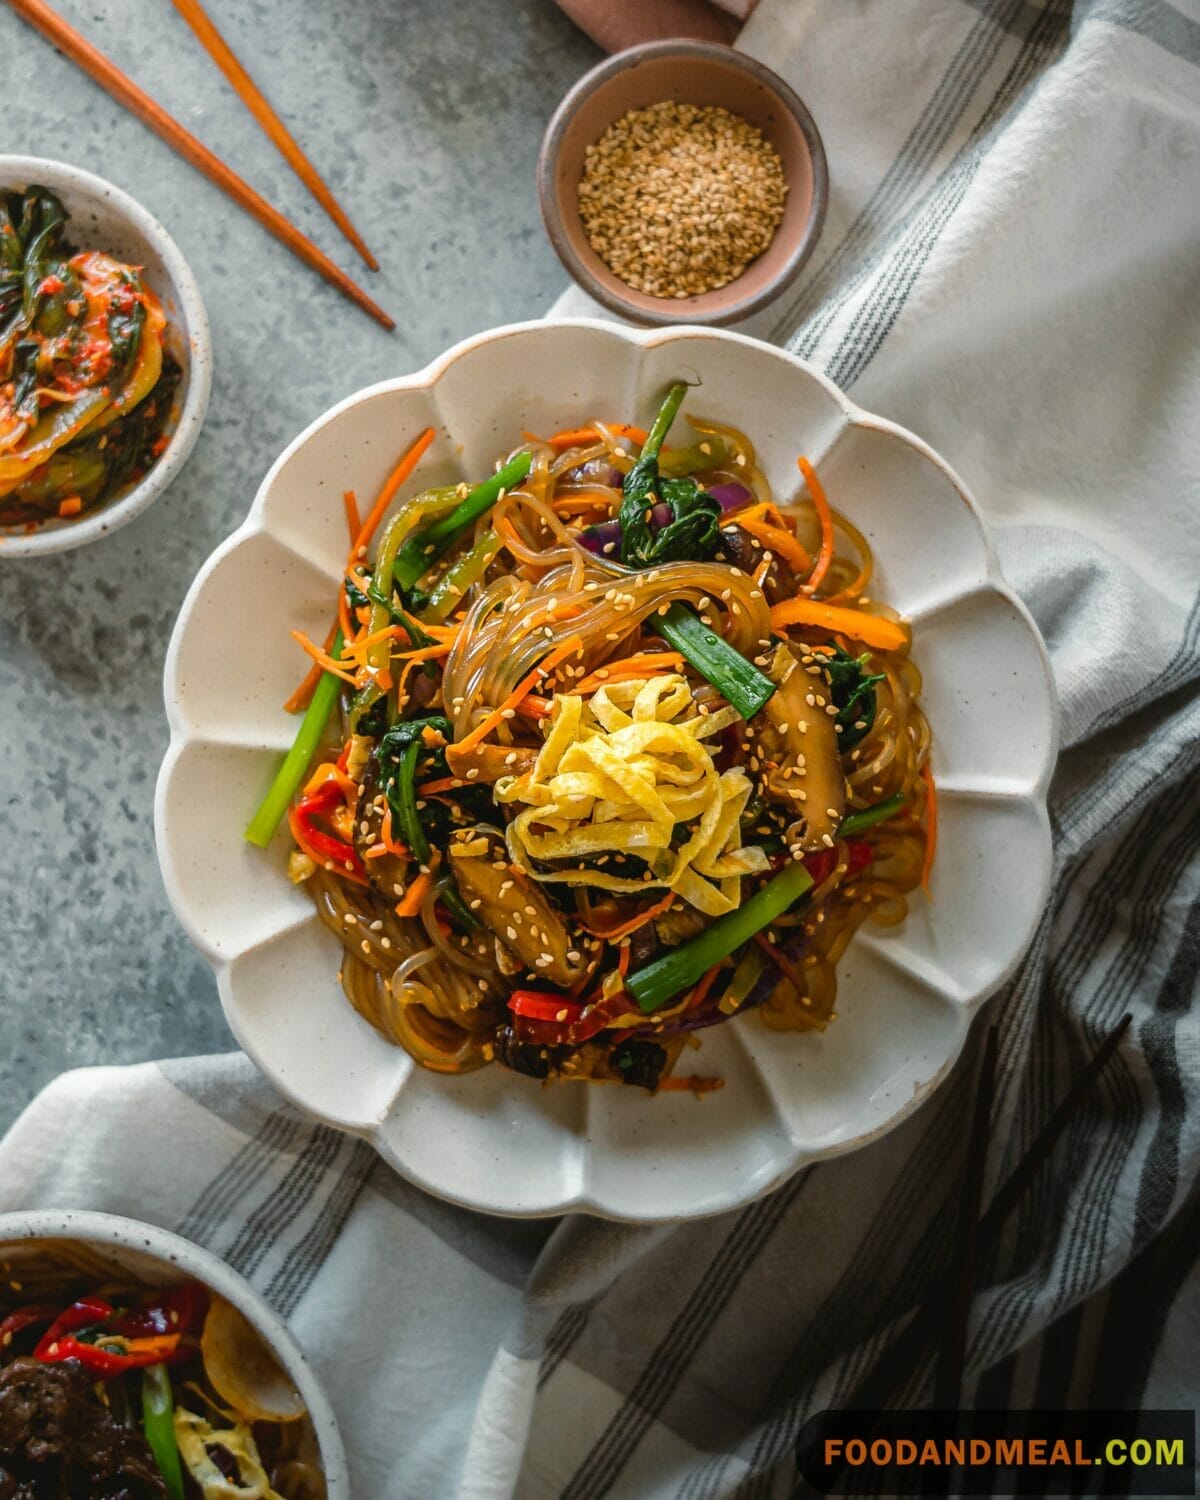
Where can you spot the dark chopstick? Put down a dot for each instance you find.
(110, 78)
(948, 1379)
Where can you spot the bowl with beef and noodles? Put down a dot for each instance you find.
(134, 1364)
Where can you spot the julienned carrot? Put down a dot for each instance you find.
(632, 666)
(700, 993)
(575, 437)
(825, 516)
(781, 543)
(410, 904)
(302, 697)
(361, 534)
(443, 784)
(389, 632)
(388, 493)
(872, 630)
(623, 929)
(353, 519)
(532, 707)
(526, 685)
(931, 828)
(386, 837)
(782, 962)
(692, 1084)
(322, 658)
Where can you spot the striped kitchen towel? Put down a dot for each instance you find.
(1010, 267)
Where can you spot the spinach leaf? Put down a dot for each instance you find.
(355, 597)
(853, 690)
(391, 748)
(690, 533)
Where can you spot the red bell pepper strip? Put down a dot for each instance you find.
(544, 1005)
(821, 865)
(109, 1362)
(181, 1309)
(26, 1317)
(580, 1026)
(318, 844)
(82, 1314)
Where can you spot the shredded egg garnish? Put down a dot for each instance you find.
(195, 1436)
(629, 771)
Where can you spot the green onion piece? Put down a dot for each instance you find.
(404, 803)
(713, 657)
(682, 967)
(451, 899)
(667, 413)
(262, 826)
(158, 1423)
(458, 578)
(867, 817)
(420, 552)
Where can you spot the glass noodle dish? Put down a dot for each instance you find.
(601, 752)
(85, 385)
(122, 1391)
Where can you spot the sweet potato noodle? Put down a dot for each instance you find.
(623, 747)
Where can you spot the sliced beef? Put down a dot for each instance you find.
(58, 1441)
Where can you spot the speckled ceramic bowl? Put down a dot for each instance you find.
(492, 1139)
(102, 217)
(158, 1257)
(690, 72)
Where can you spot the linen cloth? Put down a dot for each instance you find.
(1011, 267)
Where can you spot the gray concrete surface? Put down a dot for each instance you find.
(425, 119)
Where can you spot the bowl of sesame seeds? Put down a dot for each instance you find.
(683, 182)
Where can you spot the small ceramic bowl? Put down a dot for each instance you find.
(690, 73)
(157, 1257)
(102, 217)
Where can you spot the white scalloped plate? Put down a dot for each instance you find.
(493, 1140)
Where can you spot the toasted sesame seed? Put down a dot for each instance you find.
(703, 187)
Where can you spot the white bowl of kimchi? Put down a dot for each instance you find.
(102, 218)
(906, 994)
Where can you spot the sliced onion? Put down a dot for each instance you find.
(597, 537)
(731, 496)
(243, 1371)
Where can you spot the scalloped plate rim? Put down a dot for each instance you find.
(408, 1163)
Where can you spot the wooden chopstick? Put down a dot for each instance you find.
(126, 92)
(947, 1385)
(253, 98)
